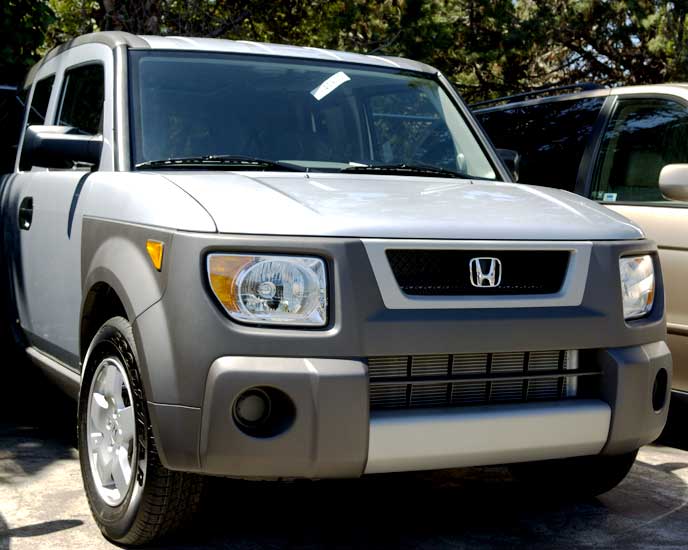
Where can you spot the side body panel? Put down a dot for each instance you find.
(49, 250)
(667, 225)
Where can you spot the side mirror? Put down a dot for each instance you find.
(673, 182)
(58, 147)
(511, 159)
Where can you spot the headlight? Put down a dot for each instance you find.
(278, 290)
(637, 285)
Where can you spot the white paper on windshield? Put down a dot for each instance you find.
(330, 85)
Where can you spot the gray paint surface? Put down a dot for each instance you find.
(175, 348)
(397, 207)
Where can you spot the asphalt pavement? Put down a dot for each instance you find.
(42, 504)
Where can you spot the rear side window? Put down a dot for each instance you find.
(642, 137)
(550, 137)
(81, 105)
(40, 99)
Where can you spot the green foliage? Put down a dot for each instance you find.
(22, 31)
(488, 47)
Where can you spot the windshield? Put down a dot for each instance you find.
(318, 115)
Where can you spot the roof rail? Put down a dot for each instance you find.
(583, 86)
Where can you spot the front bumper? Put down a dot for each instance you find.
(334, 435)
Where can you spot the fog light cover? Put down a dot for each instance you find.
(278, 290)
(637, 285)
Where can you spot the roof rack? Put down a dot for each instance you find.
(583, 86)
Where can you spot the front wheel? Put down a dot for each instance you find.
(584, 476)
(133, 497)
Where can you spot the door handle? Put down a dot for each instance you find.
(26, 213)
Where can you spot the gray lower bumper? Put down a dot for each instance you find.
(477, 436)
(332, 434)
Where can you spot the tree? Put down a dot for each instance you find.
(22, 31)
(487, 47)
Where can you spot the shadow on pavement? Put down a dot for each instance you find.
(675, 433)
(35, 530)
(37, 422)
(474, 507)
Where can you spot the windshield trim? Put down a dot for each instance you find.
(477, 133)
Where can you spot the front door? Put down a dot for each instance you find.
(643, 135)
(50, 242)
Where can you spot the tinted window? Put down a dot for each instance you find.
(39, 102)
(10, 122)
(324, 115)
(408, 128)
(82, 99)
(550, 137)
(643, 136)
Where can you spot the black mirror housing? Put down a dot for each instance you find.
(511, 160)
(58, 147)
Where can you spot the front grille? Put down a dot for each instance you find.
(448, 273)
(401, 381)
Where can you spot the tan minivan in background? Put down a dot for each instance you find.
(626, 147)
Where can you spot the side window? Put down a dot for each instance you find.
(642, 137)
(550, 136)
(81, 105)
(39, 102)
(10, 122)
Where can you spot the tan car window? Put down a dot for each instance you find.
(643, 136)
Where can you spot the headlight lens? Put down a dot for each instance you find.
(278, 290)
(637, 285)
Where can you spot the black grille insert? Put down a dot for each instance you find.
(448, 272)
(459, 380)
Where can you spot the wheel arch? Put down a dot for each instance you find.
(101, 302)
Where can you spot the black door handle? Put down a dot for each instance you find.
(26, 213)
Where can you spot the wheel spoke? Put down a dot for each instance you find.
(127, 423)
(100, 400)
(98, 412)
(111, 429)
(115, 389)
(121, 471)
(104, 464)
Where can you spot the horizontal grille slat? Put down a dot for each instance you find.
(508, 362)
(507, 390)
(463, 379)
(428, 395)
(543, 389)
(429, 365)
(469, 363)
(448, 272)
(388, 366)
(543, 360)
(468, 392)
(392, 396)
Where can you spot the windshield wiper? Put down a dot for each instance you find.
(403, 168)
(211, 161)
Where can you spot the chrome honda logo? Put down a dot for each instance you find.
(485, 272)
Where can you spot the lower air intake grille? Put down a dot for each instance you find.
(401, 381)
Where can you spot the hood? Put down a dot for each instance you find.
(403, 207)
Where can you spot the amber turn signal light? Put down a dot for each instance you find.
(155, 250)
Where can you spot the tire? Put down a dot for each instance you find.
(134, 499)
(580, 477)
